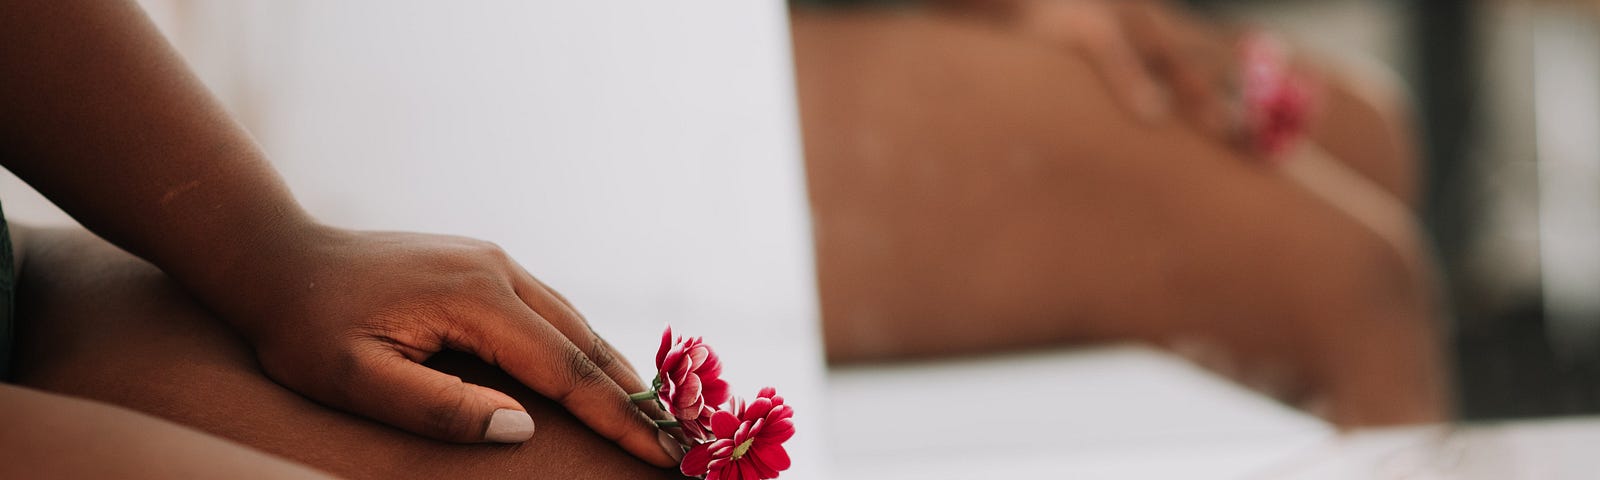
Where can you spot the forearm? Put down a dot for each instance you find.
(105, 119)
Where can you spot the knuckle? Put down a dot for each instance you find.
(491, 250)
(582, 374)
(602, 357)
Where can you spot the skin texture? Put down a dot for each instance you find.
(959, 172)
(97, 323)
(101, 116)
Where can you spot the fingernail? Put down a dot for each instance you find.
(670, 445)
(509, 426)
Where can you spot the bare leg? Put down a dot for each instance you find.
(53, 436)
(97, 323)
(974, 191)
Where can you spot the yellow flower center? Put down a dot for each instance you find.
(740, 450)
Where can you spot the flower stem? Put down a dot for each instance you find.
(642, 396)
(666, 423)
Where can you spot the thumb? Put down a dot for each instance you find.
(393, 389)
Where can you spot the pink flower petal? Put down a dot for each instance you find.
(723, 424)
(696, 462)
(757, 409)
(747, 471)
(675, 364)
(687, 395)
(742, 434)
(778, 432)
(697, 356)
(666, 344)
(781, 412)
(775, 456)
(761, 466)
(722, 448)
(728, 472)
(713, 363)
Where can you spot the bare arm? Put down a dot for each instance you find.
(99, 114)
(104, 119)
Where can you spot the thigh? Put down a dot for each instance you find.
(50, 436)
(97, 323)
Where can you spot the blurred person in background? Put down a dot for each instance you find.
(238, 302)
(990, 175)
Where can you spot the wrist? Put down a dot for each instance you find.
(241, 275)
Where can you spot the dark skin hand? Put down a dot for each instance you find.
(102, 117)
(1161, 62)
(95, 323)
(1156, 59)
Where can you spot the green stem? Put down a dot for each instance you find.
(666, 423)
(642, 396)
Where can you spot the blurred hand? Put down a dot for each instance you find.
(1155, 58)
(346, 317)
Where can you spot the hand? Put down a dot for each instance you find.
(346, 317)
(1156, 59)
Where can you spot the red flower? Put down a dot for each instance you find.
(748, 442)
(689, 383)
(1278, 103)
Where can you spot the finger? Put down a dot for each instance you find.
(532, 350)
(1125, 74)
(523, 274)
(1183, 63)
(541, 298)
(395, 390)
(560, 313)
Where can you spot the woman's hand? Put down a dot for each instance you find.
(347, 317)
(1156, 60)
(342, 317)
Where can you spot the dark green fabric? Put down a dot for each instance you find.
(8, 289)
